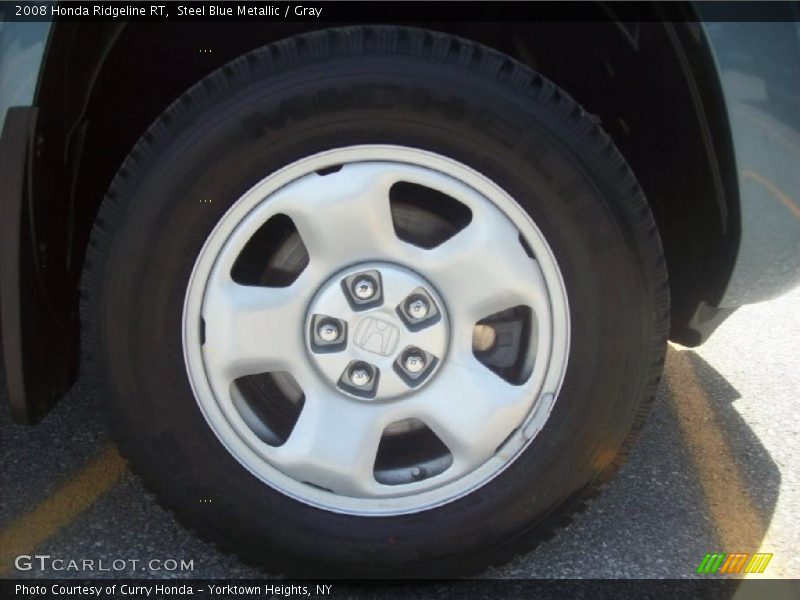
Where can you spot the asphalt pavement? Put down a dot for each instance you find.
(715, 469)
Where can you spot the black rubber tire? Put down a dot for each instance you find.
(375, 85)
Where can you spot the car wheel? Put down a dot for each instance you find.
(375, 300)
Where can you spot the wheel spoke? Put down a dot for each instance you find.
(334, 444)
(251, 329)
(485, 269)
(471, 410)
(344, 216)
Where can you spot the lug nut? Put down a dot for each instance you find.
(328, 332)
(360, 376)
(414, 363)
(364, 289)
(360, 379)
(418, 309)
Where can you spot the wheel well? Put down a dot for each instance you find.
(652, 85)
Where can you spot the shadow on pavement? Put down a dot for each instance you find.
(738, 478)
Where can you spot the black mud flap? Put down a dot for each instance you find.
(38, 346)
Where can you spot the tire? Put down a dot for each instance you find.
(353, 87)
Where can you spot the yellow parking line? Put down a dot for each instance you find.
(771, 130)
(737, 522)
(26, 533)
(776, 191)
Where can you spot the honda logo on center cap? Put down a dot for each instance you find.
(377, 336)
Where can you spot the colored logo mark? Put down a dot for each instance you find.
(738, 562)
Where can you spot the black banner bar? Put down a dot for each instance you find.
(394, 12)
(707, 589)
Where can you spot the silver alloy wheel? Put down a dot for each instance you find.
(339, 203)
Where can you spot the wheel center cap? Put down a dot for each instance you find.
(377, 331)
